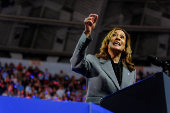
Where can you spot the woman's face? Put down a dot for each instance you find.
(117, 41)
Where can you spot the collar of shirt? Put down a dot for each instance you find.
(118, 64)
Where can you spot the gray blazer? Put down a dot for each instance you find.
(101, 79)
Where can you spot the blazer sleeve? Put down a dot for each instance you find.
(81, 63)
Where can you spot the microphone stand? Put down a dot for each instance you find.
(166, 67)
(164, 64)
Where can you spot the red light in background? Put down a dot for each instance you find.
(39, 74)
(75, 82)
(22, 91)
(56, 82)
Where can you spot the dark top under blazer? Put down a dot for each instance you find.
(101, 79)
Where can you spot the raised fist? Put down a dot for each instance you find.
(90, 23)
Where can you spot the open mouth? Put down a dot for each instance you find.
(116, 43)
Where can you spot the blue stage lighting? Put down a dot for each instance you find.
(31, 76)
(46, 92)
(84, 87)
(55, 98)
(33, 96)
(66, 78)
(68, 92)
(15, 86)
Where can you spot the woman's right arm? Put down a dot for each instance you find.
(81, 63)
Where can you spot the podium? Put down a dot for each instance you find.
(151, 95)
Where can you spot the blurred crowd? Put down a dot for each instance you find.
(18, 81)
(140, 75)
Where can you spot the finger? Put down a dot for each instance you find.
(89, 18)
(89, 22)
(95, 16)
(95, 19)
(86, 19)
(91, 15)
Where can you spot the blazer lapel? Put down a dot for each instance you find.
(126, 77)
(108, 69)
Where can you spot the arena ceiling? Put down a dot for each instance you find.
(49, 30)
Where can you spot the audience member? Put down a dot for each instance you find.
(20, 67)
(4, 73)
(10, 87)
(60, 92)
(46, 77)
(20, 86)
(5, 93)
(28, 89)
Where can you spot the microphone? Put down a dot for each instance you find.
(154, 60)
(164, 64)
